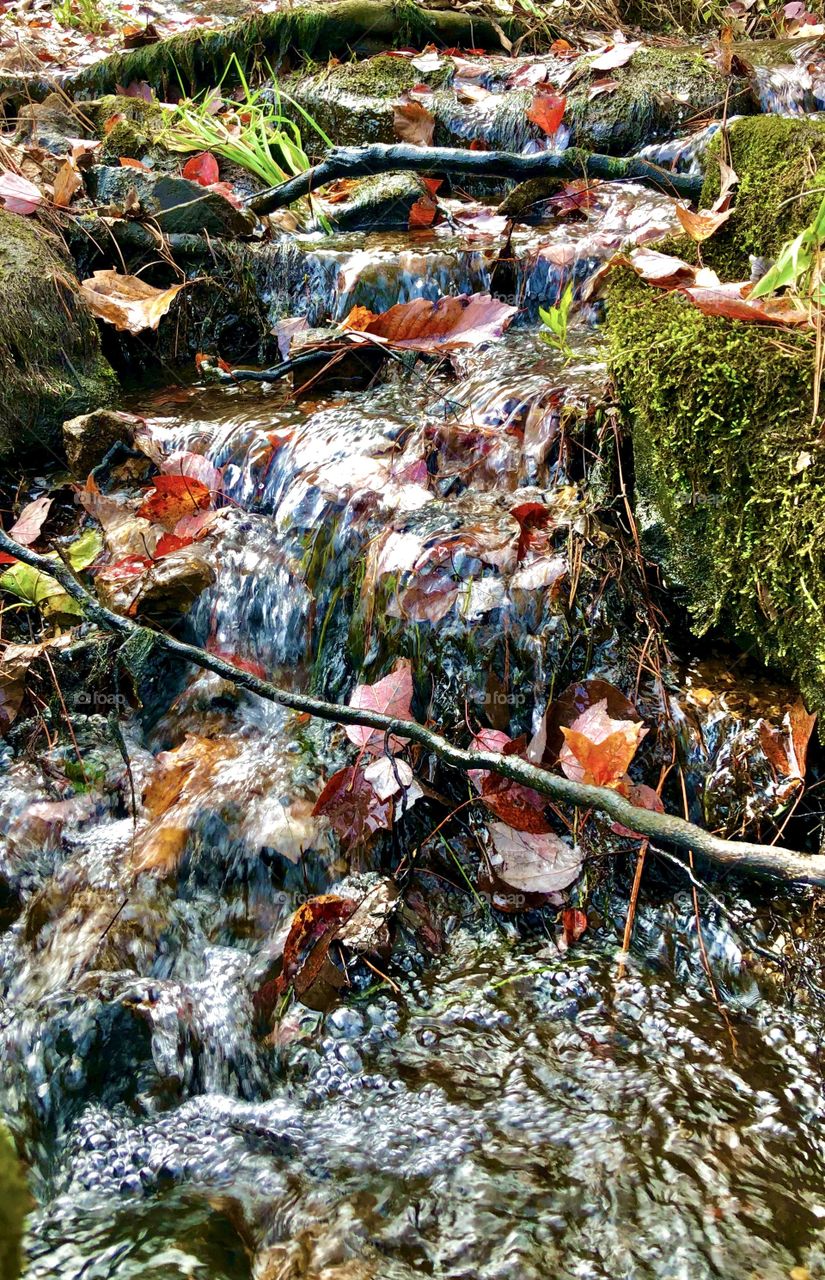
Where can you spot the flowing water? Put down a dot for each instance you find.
(503, 1106)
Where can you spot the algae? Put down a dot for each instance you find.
(51, 367)
(729, 470)
(777, 159)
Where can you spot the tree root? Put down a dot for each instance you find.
(354, 162)
(736, 855)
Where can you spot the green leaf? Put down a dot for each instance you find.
(85, 549)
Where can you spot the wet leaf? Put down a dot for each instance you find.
(520, 807)
(787, 750)
(367, 929)
(547, 743)
(26, 528)
(14, 666)
(173, 498)
(17, 194)
(422, 213)
(486, 740)
(574, 924)
(127, 302)
(533, 863)
(547, 110)
(202, 169)
(598, 87)
(413, 123)
(195, 466)
(444, 325)
(644, 797)
(391, 696)
(598, 749)
(350, 803)
(389, 777)
(314, 927)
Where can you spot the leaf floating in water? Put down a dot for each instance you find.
(444, 325)
(127, 302)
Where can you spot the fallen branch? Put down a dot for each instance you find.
(378, 157)
(740, 855)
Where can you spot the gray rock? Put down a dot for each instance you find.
(175, 205)
(50, 124)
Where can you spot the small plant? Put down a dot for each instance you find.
(557, 319)
(798, 266)
(82, 15)
(253, 132)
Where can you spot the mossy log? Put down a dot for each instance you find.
(729, 470)
(354, 162)
(199, 59)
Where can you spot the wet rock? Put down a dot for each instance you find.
(176, 205)
(730, 484)
(89, 437)
(51, 366)
(166, 590)
(51, 124)
(130, 127)
(382, 201)
(15, 1202)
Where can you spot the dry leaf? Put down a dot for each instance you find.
(127, 302)
(413, 123)
(67, 182)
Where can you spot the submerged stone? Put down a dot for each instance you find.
(730, 473)
(51, 367)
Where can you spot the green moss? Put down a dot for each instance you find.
(135, 134)
(658, 91)
(380, 77)
(730, 475)
(200, 58)
(15, 1202)
(776, 158)
(50, 362)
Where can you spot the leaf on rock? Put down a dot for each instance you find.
(313, 929)
(173, 498)
(547, 110)
(350, 803)
(195, 466)
(616, 56)
(127, 302)
(574, 924)
(391, 696)
(413, 123)
(67, 181)
(533, 863)
(787, 751)
(701, 224)
(17, 194)
(644, 797)
(202, 169)
(367, 929)
(519, 806)
(548, 741)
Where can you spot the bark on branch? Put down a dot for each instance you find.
(737, 855)
(377, 157)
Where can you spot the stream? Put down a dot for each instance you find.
(495, 1105)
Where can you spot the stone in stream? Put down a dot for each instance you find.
(130, 127)
(174, 204)
(656, 92)
(51, 366)
(89, 437)
(52, 124)
(15, 1202)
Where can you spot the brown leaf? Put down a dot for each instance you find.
(413, 123)
(67, 181)
(127, 302)
(352, 806)
(444, 325)
(520, 807)
(701, 225)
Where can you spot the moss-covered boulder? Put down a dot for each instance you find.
(15, 1202)
(729, 470)
(777, 158)
(129, 127)
(658, 92)
(51, 367)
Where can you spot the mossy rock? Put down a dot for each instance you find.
(128, 127)
(51, 367)
(776, 158)
(659, 92)
(729, 471)
(15, 1203)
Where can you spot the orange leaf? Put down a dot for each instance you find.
(701, 225)
(422, 213)
(547, 110)
(67, 181)
(600, 763)
(202, 169)
(174, 497)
